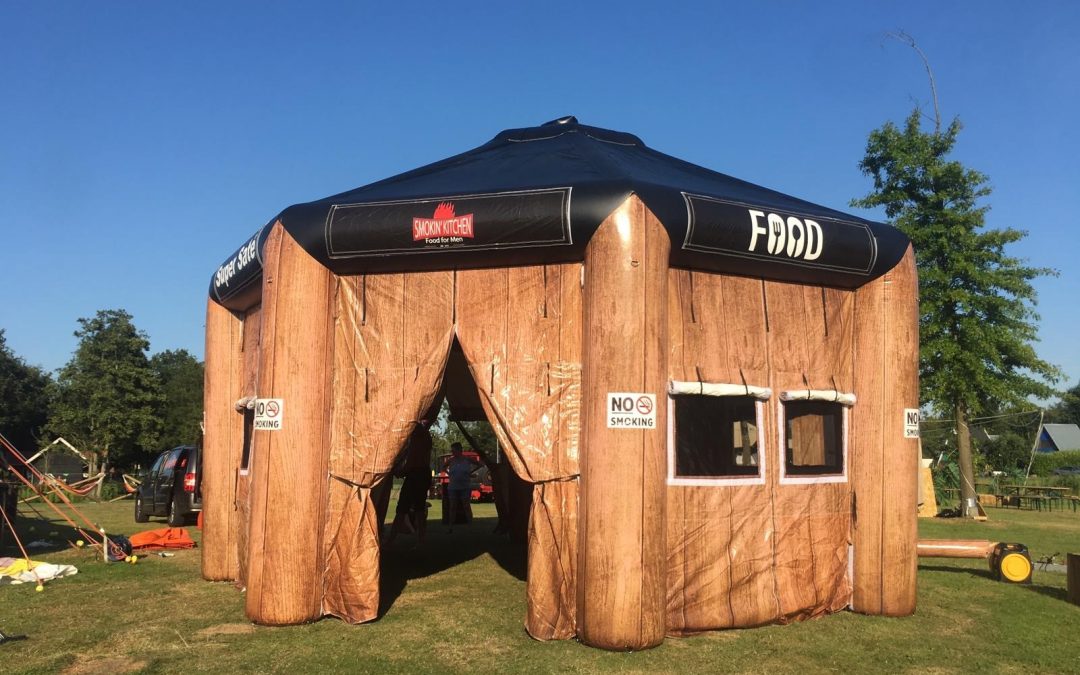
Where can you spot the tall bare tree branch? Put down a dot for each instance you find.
(903, 36)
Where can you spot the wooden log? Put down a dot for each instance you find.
(1072, 560)
(865, 441)
(288, 468)
(954, 548)
(885, 462)
(621, 585)
(222, 441)
(900, 461)
(252, 328)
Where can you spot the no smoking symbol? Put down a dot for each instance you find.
(643, 405)
(272, 409)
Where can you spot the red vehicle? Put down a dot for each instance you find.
(482, 490)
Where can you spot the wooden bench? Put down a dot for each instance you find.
(1036, 502)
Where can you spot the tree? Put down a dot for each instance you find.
(1009, 452)
(24, 399)
(977, 320)
(1067, 410)
(444, 432)
(107, 397)
(181, 378)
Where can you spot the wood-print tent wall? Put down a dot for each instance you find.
(232, 352)
(734, 563)
(617, 556)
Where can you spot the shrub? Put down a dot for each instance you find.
(946, 475)
(1046, 462)
(110, 490)
(1008, 452)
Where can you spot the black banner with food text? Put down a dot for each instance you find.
(768, 235)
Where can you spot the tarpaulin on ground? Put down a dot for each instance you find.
(166, 537)
(23, 571)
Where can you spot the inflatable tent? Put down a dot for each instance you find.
(706, 384)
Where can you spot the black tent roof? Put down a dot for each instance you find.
(536, 195)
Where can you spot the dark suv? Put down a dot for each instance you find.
(171, 487)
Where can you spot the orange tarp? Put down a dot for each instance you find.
(166, 537)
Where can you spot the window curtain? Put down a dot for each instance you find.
(520, 330)
(392, 338)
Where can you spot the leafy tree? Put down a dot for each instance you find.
(977, 318)
(23, 399)
(181, 377)
(107, 397)
(444, 432)
(1067, 410)
(1008, 452)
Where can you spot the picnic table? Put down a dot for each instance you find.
(1036, 496)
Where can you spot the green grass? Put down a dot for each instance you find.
(458, 606)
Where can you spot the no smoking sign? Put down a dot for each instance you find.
(626, 410)
(269, 414)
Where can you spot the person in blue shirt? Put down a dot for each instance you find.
(459, 470)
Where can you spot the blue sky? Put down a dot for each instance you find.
(140, 143)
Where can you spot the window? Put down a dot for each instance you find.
(170, 461)
(157, 464)
(249, 425)
(714, 437)
(814, 436)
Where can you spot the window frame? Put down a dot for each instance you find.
(760, 395)
(155, 468)
(845, 402)
(248, 441)
(171, 461)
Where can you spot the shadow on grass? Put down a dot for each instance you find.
(42, 531)
(402, 561)
(38, 535)
(973, 571)
(1049, 591)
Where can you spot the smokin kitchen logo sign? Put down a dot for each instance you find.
(448, 224)
(444, 227)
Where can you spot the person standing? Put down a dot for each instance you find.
(459, 470)
(411, 513)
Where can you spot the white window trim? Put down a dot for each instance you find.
(828, 395)
(676, 388)
(686, 481)
(781, 426)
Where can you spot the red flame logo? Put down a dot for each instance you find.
(444, 224)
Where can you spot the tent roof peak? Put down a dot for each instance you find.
(536, 195)
(566, 125)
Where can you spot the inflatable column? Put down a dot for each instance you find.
(222, 443)
(621, 587)
(288, 470)
(885, 455)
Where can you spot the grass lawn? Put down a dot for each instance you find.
(458, 606)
